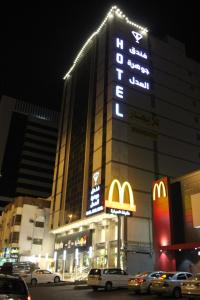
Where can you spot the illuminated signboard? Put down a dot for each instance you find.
(124, 205)
(80, 240)
(95, 197)
(159, 190)
(132, 68)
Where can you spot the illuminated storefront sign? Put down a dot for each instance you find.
(136, 69)
(95, 197)
(79, 240)
(120, 206)
(159, 190)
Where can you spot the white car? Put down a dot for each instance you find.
(107, 278)
(169, 283)
(44, 276)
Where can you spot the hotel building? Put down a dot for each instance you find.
(130, 115)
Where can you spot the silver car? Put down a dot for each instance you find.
(191, 287)
(141, 282)
(169, 283)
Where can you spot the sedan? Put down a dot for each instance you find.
(44, 276)
(170, 283)
(191, 287)
(141, 283)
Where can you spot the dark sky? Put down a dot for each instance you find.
(40, 41)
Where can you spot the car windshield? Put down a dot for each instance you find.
(12, 286)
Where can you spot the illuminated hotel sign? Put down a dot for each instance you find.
(120, 206)
(95, 197)
(132, 69)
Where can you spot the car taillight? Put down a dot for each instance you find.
(140, 280)
(165, 284)
(29, 298)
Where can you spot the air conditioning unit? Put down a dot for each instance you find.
(29, 238)
(31, 220)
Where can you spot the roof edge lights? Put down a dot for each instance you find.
(113, 11)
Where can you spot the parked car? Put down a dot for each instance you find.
(43, 276)
(14, 288)
(141, 283)
(191, 287)
(107, 278)
(169, 283)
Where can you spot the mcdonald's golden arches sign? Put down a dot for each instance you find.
(120, 199)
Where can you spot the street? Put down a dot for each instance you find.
(68, 292)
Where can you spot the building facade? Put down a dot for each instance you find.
(176, 220)
(130, 114)
(28, 135)
(25, 232)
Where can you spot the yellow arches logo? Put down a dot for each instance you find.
(110, 203)
(159, 189)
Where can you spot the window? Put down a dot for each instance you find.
(181, 277)
(37, 241)
(17, 219)
(14, 237)
(39, 224)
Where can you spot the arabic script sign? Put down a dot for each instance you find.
(132, 69)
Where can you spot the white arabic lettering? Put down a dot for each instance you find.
(144, 85)
(134, 51)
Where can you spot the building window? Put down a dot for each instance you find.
(37, 241)
(15, 237)
(17, 219)
(39, 224)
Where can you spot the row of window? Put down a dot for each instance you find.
(16, 220)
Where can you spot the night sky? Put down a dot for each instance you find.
(39, 42)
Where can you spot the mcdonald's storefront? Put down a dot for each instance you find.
(176, 223)
(102, 238)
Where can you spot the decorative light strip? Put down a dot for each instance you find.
(114, 10)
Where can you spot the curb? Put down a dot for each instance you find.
(82, 287)
(51, 284)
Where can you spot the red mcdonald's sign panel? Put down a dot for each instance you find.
(161, 221)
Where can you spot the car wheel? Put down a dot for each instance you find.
(33, 281)
(56, 279)
(108, 286)
(177, 293)
(95, 288)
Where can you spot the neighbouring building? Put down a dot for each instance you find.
(28, 137)
(130, 115)
(24, 234)
(176, 220)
